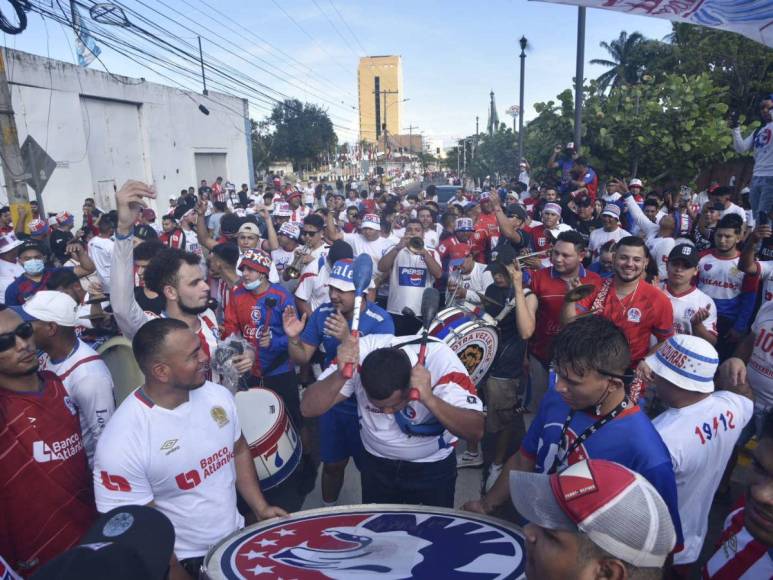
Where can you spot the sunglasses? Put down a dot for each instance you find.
(309, 232)
(8, 339)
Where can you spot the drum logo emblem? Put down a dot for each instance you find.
(471, 357)
(219, 416)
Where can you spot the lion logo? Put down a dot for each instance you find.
(471, 357)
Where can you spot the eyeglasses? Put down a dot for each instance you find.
(309, 232)
(8, 339)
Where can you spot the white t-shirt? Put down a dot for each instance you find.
(101, 253)
(599, 237)
(700, 439)
(380, 432)
(375, 249)
(660, 248)
(407, 281)
(759, 371)
(476, 282)
(88, 381)
(180, 459)
(431, 239)
(686, 305)
(312, 285)
(9, 271)
(733, 209)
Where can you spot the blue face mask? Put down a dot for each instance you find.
(254, 285)
(34, 266)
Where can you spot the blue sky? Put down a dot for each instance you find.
(453, 52)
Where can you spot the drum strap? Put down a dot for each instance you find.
(601, 297)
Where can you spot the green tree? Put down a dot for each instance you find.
(553, 125)
(495, 154)
(624, 62)
(303, 134)
(261, 144)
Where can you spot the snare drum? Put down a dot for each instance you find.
(275, 447)
(371, 541)
(472, 335)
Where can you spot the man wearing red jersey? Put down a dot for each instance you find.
(486, 226)
(550, 285)
(46, 499)
(639, 309)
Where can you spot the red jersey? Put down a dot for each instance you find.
(487, 222)
(46, 494)
(550, 290)
(645, 311)
(173, 239)
(541, 238)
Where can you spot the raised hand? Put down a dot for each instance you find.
(291, 324)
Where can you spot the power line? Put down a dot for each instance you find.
(338, 32)
(349, 28)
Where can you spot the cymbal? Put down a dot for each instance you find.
(578, 293)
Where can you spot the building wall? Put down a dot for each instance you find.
(390, 73)
(103, 129)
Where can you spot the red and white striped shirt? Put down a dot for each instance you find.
(740, 556)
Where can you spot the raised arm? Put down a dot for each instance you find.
(331, 229)
(202, 233)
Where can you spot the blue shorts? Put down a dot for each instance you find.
(339, 433)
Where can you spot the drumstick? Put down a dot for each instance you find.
(269, 303)
(362, 271)
(430, 302)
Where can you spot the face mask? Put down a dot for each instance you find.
(34, 266)
(254, 285)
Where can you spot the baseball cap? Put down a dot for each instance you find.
(50, 306)
(611, 210)
(552, 207)
(127, 542)
(372, 221)
(293, 194)
(249, 228)
(635, 183)
(281, 209)
(464, 225)
(9, 242)
(686, 252)
(290, 230)
(38, 227)
(517, 210)
(570, 145)
(619, 510)
(257, 260)
(501, 257)
(485, 196)
(32, 245)
(341, 276)
(64, 218)
(687, 361)
(457, 253)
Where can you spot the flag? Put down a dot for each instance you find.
(751, 18)
(86, 46)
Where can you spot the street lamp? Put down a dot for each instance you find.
(522, 42)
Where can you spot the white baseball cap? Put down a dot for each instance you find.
(372, 221)
(635, 183)
(50, 306)
(687, 361)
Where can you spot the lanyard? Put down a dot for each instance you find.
(583, 437)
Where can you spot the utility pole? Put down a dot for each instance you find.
(410, 138)
(578, 81)
(203, 76)
(523, 43)
(475, 147)
(384, 126)
(13, 167)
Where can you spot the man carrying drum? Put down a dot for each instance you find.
(176, 444)
(409, 453)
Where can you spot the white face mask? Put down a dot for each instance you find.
(254, 285)
(34, 266)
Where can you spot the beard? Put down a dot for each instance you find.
(196, 310)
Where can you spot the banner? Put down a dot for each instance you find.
(752, 18)
(86, 46)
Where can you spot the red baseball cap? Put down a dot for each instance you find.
(457, 253)
(257, 260)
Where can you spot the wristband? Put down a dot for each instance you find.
(125, 236)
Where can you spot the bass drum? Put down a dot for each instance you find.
(371, 541)
(472, 335)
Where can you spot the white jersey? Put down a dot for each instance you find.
(181, 459)
(761, 141)
(312, 285)
(281, 259)
(431, 239)
(381, 433)
(733, 209)
(766, 275)
(686, 305)
(659, 249)
(407, 281)
(759, 371)
(599, 237)
(85, 376)
(476, 283)
(297, 215)
(700, 439)
(9, 271)
(101, 252)
(375, 249)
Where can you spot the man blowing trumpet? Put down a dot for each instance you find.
(409, 455)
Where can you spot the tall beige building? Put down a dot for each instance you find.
(380, 80)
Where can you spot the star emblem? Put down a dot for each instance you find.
(258, 570)
(283, 532)
(264, 543)
(252, 554)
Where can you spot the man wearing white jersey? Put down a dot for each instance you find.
(749, 263)
(611, 230)
(409, 442)
(175, 275)
(658, 235)
(311, 292)
(411, 270)
(176, 443)
(700, 429)
(367, 241)
(54, 316)
(694, 312)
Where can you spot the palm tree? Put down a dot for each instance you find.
(624, 66)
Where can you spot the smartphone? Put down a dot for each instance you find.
(763, 219)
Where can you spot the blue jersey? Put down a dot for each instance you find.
(373, 320)
(629, 439)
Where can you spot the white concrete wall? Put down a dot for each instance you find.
(65, 107)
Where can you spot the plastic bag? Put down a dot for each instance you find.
(222, 361)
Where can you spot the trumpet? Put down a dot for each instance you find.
(416, 245)
(294, 269)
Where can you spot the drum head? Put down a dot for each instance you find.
(259, 411)
(372, 541)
